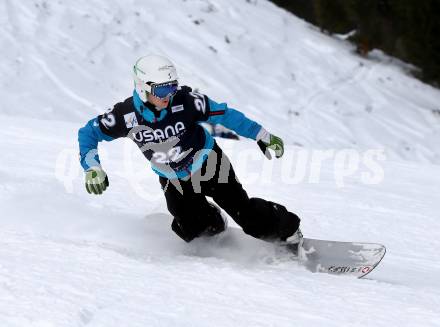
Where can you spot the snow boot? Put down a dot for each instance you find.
(294, 242)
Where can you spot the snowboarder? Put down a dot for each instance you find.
(163, 119)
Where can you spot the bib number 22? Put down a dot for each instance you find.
(173, 155)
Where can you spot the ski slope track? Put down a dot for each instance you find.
(71, 259)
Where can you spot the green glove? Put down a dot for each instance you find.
(96, 180)
(266, 141)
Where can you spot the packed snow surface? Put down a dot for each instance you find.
(361, 164)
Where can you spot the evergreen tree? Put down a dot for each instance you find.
(406, 29)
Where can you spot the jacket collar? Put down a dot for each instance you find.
(146, 112)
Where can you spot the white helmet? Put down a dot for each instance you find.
(156, 75)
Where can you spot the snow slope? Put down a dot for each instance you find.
(70, 259)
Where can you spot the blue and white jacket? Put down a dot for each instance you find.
(171, 139)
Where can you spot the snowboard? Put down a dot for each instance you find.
(340, 258)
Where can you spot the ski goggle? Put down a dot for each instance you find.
(164, 90)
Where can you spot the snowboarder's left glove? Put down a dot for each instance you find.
(96, 180)
(267, 141)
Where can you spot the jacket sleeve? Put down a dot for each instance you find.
(220, 113)
(106, 127)
(88, 138)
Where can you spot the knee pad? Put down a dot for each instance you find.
(209, 222)
(185, 230)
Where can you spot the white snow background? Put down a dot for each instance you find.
(71, 259)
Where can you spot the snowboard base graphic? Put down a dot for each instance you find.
(340, 258)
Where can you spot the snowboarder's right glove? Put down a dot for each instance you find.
(267, 141)
(96, 180)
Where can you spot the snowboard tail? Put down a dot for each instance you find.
(340, 258)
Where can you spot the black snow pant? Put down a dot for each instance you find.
(193, 214)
